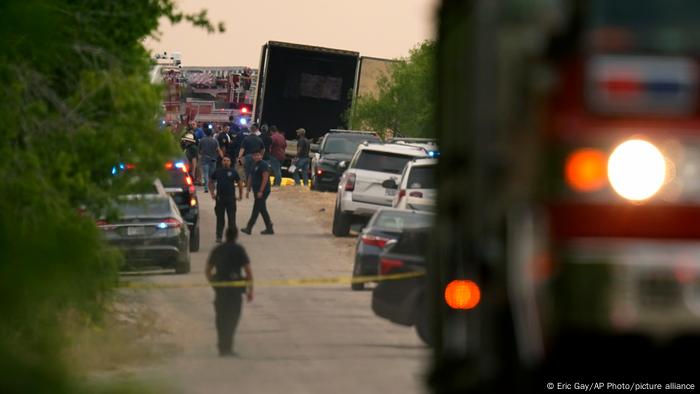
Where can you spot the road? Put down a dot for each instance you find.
(312, 339)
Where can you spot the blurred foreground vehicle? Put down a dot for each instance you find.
(150, 232)
(179, 185)
(404, 301)
(334, 155)
(417, 187)
(578, 222)
(386, 225)
(361, 190)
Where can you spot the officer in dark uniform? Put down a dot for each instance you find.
(224, 179)
(224, 265)
(259, 182)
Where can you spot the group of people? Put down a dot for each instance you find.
(230, 158)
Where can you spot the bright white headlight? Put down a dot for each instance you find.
(636, 170)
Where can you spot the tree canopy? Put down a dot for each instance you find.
(405, 103)
(76, 100)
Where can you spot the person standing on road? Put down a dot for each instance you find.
(223, 193)
(251, 143)
(259, 182)
(189, 146)
(302, 162)
(224, 265)
(266, 138)
(209, 151)
(277, 154)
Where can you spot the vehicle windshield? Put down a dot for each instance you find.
(421, 177)
(382, 161)
(144, 207)
(346, 144)
(665, 26)
(175, 178)
(402, 220)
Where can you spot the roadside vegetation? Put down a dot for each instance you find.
(405, 103)
(76, 100)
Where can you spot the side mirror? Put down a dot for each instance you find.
(390, 184)
(314, 147)
(343, 164)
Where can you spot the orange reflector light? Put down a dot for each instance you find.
(169, 165)
(193, 202)
(586, 170)
(462, 294)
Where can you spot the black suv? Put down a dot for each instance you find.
(404, 301)
(334, 154)
(181, 188)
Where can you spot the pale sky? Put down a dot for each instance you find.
(378, 28)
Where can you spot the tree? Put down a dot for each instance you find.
(76, 100)
(405, 103)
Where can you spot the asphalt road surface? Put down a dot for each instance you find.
(311, 339)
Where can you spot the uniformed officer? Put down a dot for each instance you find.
(224, 179)
(224, 265)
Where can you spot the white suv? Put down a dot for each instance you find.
(417, 188)
(361, 191)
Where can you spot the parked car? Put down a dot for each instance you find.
(404, 301)
(179, 185)
(334, 154)
(150, 232)
(361, 191)
(386, 225)
(417, 188)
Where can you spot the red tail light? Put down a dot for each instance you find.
(192, 189)
(319, 172)
(188, 180)
(416, 194)
(170, 223)
(373, 240)
(387, 265)
(169, 165)
(350, 182)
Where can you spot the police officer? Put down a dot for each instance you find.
(224, 265)
(259, 182)
(222, 191)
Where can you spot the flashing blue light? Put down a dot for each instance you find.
(162, 225)
(114, 170)
(121, 166)
(243, 121)
(179, 164)
(211, 126)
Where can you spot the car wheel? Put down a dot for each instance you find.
(341, 223)
(423, 325)
(183, 266)
(194, 239)
(356, 272)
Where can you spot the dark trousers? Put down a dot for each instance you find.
(221, 207)
(260, 207)
(227, 306)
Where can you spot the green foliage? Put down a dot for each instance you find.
(405, 103)
(76, 100)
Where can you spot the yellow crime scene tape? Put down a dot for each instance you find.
(301, 282)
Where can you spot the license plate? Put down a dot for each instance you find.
(134, 231)
(390, 192)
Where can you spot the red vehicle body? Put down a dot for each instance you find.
(614, 246)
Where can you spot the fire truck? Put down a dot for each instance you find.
(573, 249)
